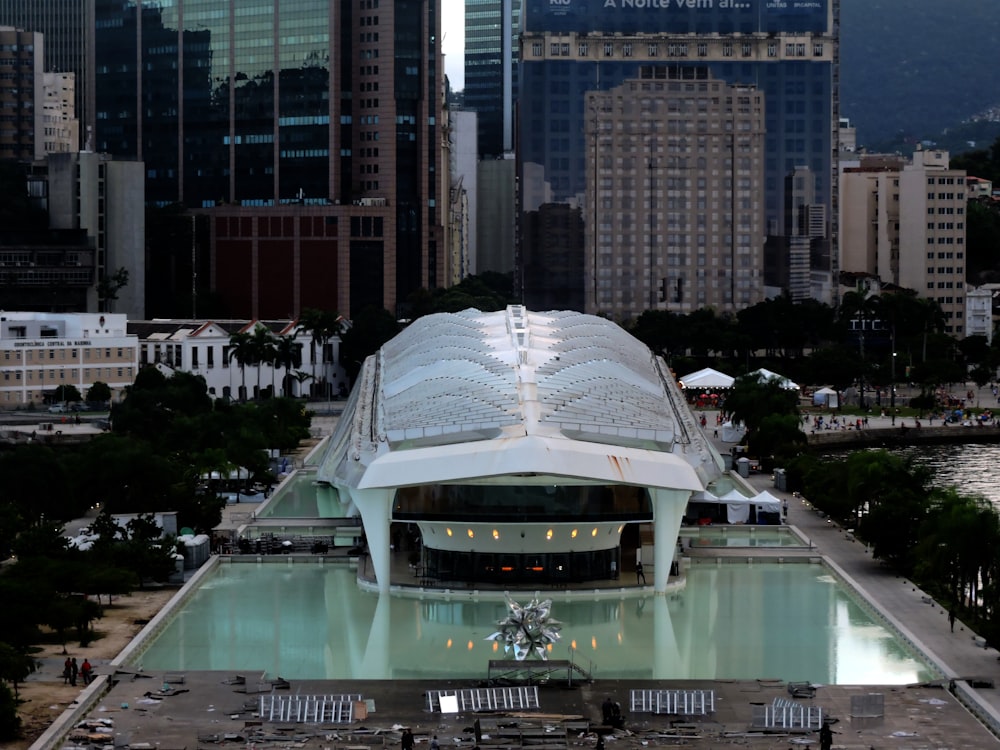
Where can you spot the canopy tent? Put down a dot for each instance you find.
(765, 375)
(738, 505)
(732, 433)
(826, 397)
(707, 378)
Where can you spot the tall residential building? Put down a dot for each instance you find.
(491, 71)
(904, 221)
(676, 219)
(21, 94)
(60, 126)
(788, 51)
(68, 27)
(310, 133)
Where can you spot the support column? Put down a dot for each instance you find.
(668, 511)
(376, 514)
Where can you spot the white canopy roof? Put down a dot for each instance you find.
(508, 396)
(764, 375)
(707, 378)
(826, 392)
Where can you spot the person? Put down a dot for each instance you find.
(434, 743)
(67, 670)
(86, 671)
(951, 619)
(617, 720)
(614, 570)
(600, 741)
(607, 711)
(74, 670)
(640, 574)
(825, 737)
(407, 742)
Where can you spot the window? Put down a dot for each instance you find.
(609, 49)
(727, 49)
(702, 49)
(583, 50)
(536, 49)
(772, 49)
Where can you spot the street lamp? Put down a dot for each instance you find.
(892, 389)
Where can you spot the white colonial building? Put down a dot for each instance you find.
(205, 348)
(42, 351)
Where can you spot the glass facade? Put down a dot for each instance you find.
(65, 25)
(231, 104)
(787, 50)
(700, 17)
(487, 51)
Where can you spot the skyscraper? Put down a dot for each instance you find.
(788, 51)
(67, 26)
(307, 130)
(652, 187)
(491, 62)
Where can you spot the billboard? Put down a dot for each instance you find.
(678, 16)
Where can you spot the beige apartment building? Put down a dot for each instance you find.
(675, 186)
(903, 220)
(41, 351)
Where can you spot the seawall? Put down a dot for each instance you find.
(900, 435)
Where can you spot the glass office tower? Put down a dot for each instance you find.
(306, 129)
(491, 71)
(788, 50)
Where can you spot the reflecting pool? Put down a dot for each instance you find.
(303, 497)
(732, 621)
(739, 536)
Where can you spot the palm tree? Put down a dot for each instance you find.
(287, 354)
(241, 349)
(263, 350)
(322, 325)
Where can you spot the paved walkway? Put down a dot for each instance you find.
(961, 654)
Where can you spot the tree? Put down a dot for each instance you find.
(262, 352)
(751, 401)
(66, 393)
(10, 722)
(99, 392)
(368, 331)
(109, 286)
(241, 348)
(322, 325)
(287, 354)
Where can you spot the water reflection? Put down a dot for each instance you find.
(791, 622)
(970, 468)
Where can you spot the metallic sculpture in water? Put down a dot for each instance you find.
(527, 629)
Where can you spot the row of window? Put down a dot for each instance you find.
(945, 196)
(50, 354)
(676, 49)
(946, 241)
(90, 374)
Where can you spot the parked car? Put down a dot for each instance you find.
(58, 409)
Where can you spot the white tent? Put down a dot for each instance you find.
(738, 505)
(765, 375)
(732, 433)
(767, 502)
(826, 397)
(707, 378)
